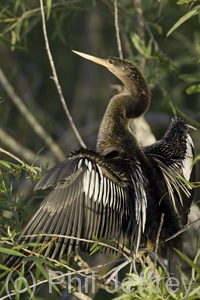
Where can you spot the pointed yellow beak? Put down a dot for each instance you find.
(96, 60)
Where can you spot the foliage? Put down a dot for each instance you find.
(12, 200)
(147, 285)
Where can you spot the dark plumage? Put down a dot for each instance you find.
(121, 190)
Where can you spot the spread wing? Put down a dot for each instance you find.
(89, 198)
(174, 157)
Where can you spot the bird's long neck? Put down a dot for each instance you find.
(114, 133)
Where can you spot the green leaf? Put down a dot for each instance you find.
(5, 165)
(190, 77)
(193, 294)
(197, 158)
(193, 185)
(11, 252)
(18, 31)
(188, 15)
(195, 88)
(188, 260)
(38, 259)
(4, 41)
(98, 244)
(17, 6)
(181, 2)
(140, 46)
(46, 275)
(42, 269)
(156, 26)
(188, 118)
(48, 5)
(21, 280)
(58, 27)
(2, 267)
(13, 40)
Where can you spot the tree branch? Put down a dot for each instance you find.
(181, 231)
(117, 31)
(21, 151)
(139, 28)
(55, 78)
(30, 118)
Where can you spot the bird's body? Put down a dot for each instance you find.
(121, 190)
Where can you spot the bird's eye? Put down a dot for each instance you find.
(110, 61)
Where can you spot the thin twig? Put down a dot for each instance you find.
(19, 160)
(157, 48)
(30, 117)
(139, 20)
(78, 239)
(181, 231)
(83, 273)
(72, 270)
(139, 28)
(117, 31)
(124, 264)
(146, 27)
(158, 237)
(55, 78)
(155, 257)
(159, 231)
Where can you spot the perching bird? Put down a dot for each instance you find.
(121, 190)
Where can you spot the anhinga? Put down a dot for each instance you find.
(121, 190)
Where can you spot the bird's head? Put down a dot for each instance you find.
(132, 78)
(119, 67)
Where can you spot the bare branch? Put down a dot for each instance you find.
(117, 31)
(30, 117)
(139, 28)
(55, 78)
(145, 25)
(139, 20)
(158, 234)
(181, 231)
(21, 151)
(81, 295)
(56, 236)
(158, 238)
(155, 257)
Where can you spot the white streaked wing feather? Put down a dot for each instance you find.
(79, 163)
(173, 180)
(187, 162)
(92, 183)
(96, 188)
(111, 193)
(86, 182)
(140, 203)
(105, 191)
